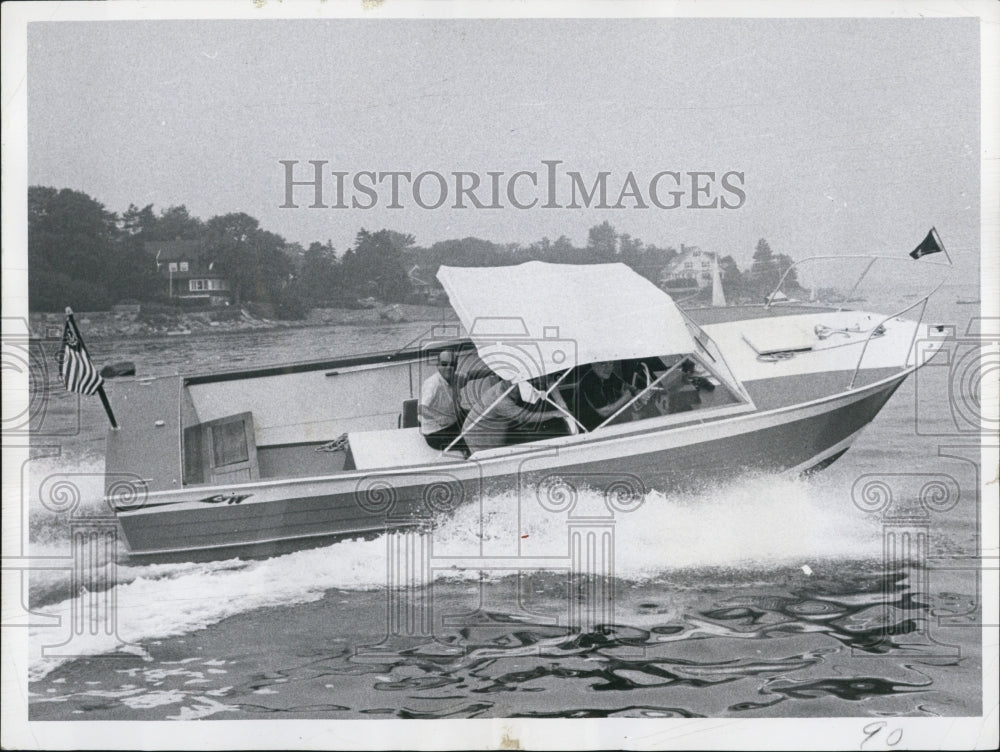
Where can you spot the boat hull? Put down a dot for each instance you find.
(276, 516)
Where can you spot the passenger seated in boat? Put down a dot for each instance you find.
(472, 388)
(501, 416)
(685, 395)
(602, 393)
(541, 389)
(440, 416)
(679, 392)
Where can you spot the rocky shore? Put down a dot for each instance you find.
(132, 321)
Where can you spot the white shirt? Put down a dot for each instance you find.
(437, 404)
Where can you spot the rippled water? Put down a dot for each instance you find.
(772, 597)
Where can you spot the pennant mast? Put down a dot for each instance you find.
(100, 389)
(718, 294)
(930, 244)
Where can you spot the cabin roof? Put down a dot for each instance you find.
(538, 318)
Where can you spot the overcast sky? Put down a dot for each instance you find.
(855, 134)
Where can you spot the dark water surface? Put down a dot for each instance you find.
(772, 597)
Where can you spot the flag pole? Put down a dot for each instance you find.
(937, 237)
(100, 389)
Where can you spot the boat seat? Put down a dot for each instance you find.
(395, 447)
(408, 418)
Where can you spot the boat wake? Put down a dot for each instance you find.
(755, 526)
(760, 522)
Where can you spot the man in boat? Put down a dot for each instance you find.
(440, 420)
(679, 392)
(602, 393)
(505, 413)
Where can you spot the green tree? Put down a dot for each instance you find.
(764, 272)
(630, 252)
(465, 252)
(602, 242)
(320, 278)
(139, 279)
(564, 252)
(251, 258)
(174, 223)
(732, 277)
(376, 265)
(540, 250)
(784, 262)
(762, 253)
(72, 256)
(136, 221)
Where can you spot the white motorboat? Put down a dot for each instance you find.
(256, 461)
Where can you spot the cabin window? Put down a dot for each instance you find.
(684, 387)
(229, 443)
(221, 451)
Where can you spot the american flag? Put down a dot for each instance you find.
(78, 373)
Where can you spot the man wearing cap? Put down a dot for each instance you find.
(439, 413)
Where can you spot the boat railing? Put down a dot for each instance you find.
(871, 258)
(879, 329)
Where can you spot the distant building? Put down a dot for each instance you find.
(691, 263)
(423, 290)
(189, 271)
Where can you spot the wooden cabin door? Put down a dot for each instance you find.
(221, 451)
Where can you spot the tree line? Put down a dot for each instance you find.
(82, 255)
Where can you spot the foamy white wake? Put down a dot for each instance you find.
(758, 523)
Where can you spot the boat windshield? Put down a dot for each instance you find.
(556, 353)
(588, 398)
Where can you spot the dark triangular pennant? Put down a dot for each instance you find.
(927, 245)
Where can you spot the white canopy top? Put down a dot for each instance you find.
(537, 318)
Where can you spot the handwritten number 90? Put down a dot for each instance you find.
(874, 729)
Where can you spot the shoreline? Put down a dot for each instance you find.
(102, 325)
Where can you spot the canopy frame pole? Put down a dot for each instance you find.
(562, 408)
(479, 418)
(649, 388)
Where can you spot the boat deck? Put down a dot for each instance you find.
(147, 442)
(267, 424)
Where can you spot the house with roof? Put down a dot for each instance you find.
(424, 291)
(189, 271)
(692, 264)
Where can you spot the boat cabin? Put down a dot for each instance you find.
(537, 339)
